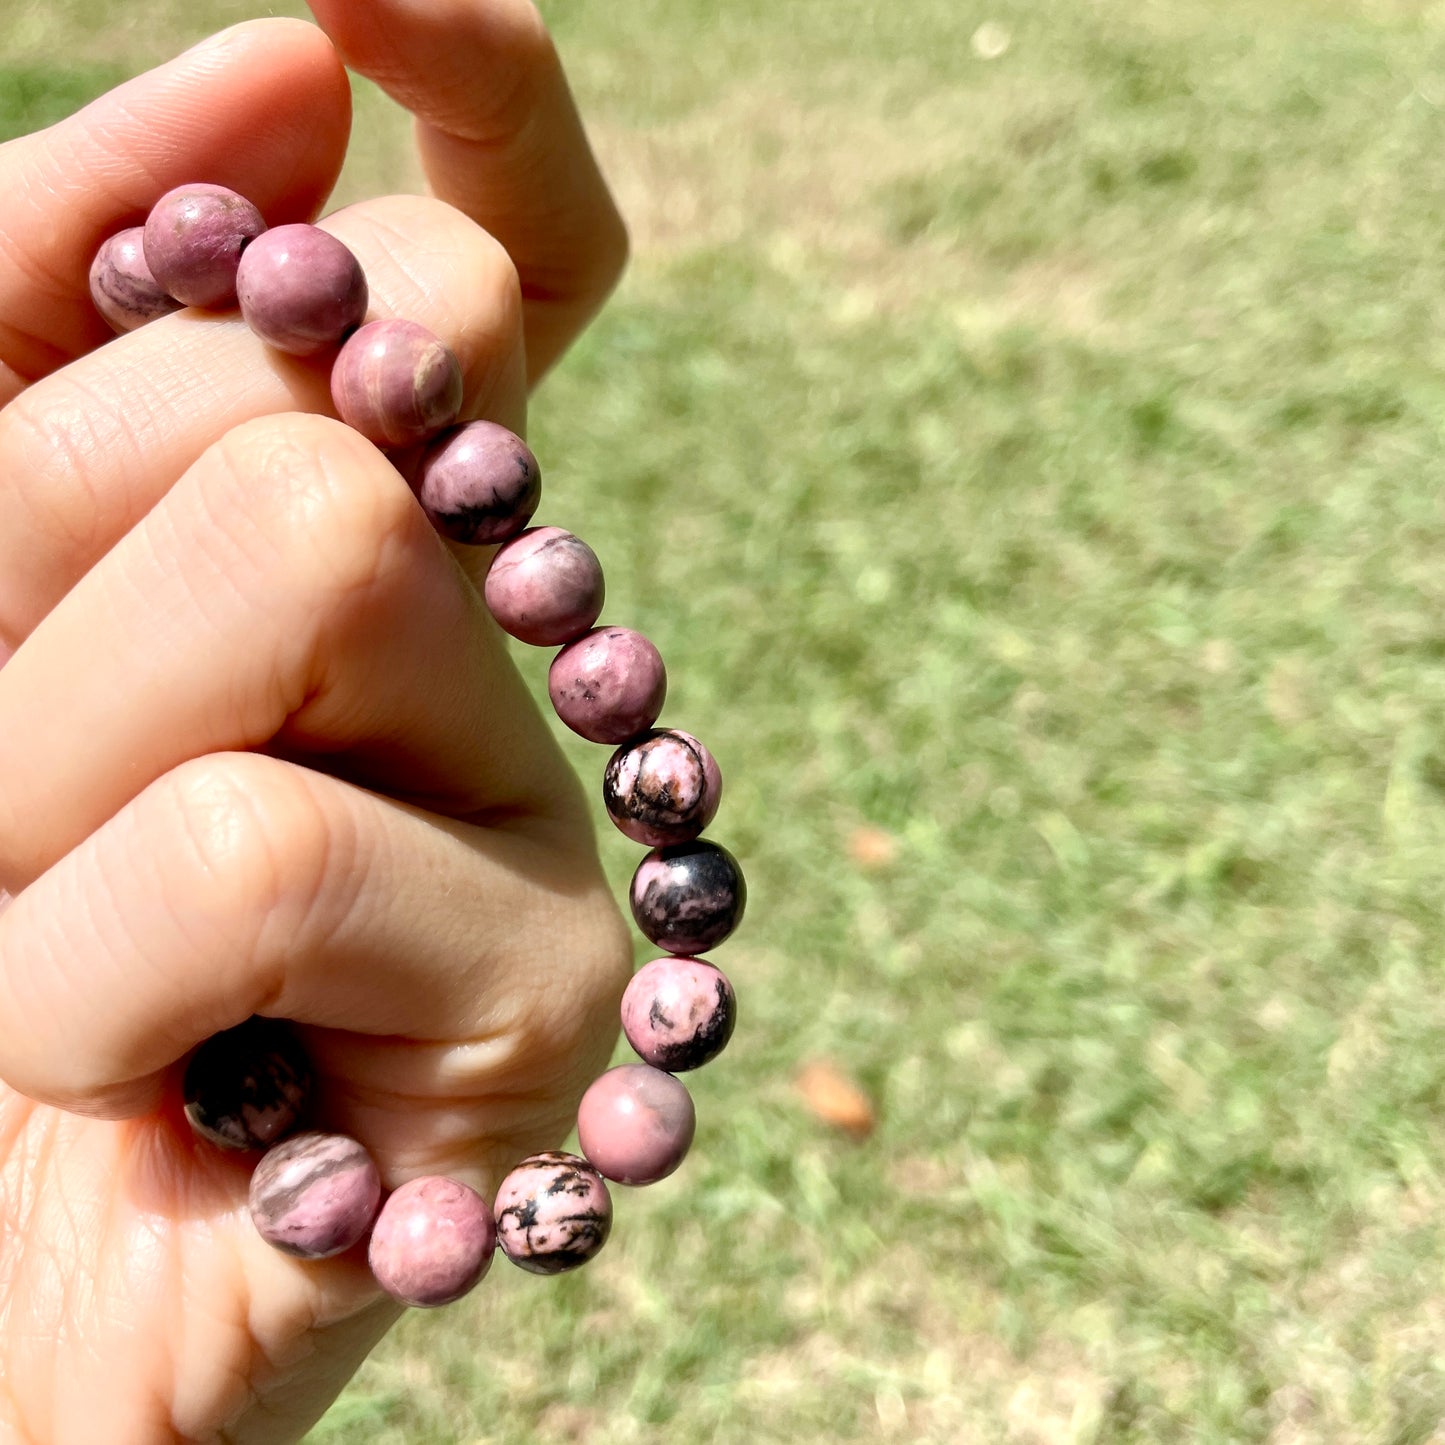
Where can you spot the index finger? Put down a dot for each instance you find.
(264, 107)
(501, 140)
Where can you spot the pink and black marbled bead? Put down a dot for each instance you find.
(678, 1013)
(553, 1213)
(662, 788)
(246, 1087)
(688, 898)
(396, 383)
(545, 587)
(301, 290)
(635, 1124)
(432, 1242)
(478, 483)
(608, 685)
(194, 237)
(122, 286)
(315, 1195)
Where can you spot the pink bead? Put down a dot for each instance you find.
(396, 383)
(478, 483)
(545, 587)
(678, 1013)
(635, 1124)
(315, 1195)
(662, 788)
(122, 286)
(609, 685)
(553, 1213)
(194, 237)
(432, 1242)
(301, 290)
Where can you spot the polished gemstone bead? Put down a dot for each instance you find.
(301, 290)
(635, 1124)
(246, 1087)
(689, 897)
(662, 788)
(678, 1013)
(121, 284)
(315, 1195)
(478, 483)
(553, 1213)
(432, 1242)
(609, 685)
(545, 587)
(396, 383)
(194, 237)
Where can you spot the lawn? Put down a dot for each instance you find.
(1024, 428)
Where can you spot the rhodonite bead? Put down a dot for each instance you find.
(246, 1087)
(608, 685)
(678, 1013)
(478, 483)
(315, 1195)
(432, 1242)
(122, 286)
(553, 1213)
(194, 237)
(396, 383)
(662, 788)
(635, 1124)
(689, 897)
(545, 587)
(301, 290)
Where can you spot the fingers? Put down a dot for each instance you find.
(239, 884)
(288, 590)
(89, 451)
(277, 83)
(500, 139)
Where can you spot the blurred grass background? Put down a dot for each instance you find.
(1022, 429)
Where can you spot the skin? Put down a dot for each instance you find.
(260, 746)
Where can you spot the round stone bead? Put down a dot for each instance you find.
(121, 284)
(635, 1124)
(194, 237)
(396, 383)
(315, 1195)
(478, 483)
(553, 1213)
(301, 290)
(545, 587)
(432, 1242)
(678, 1013)
(689, 897)
(609, 685)
(662, 788)
(246, 1087)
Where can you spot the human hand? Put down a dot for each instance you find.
(261, 751)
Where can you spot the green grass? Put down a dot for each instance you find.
(1038, 459)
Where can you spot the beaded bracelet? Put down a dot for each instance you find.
(312, 1194)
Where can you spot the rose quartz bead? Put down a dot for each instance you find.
(553, 1213)
(194, 237)
(545, 587)
(246, 1087)
(609, 685)
(688, 898)
(121, 284)
(396, 383)
(635, 1124)
(315, 1195)
(662, 788)
(432, 1242)
(478, 483)
(678, 1013)
(300, 289)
